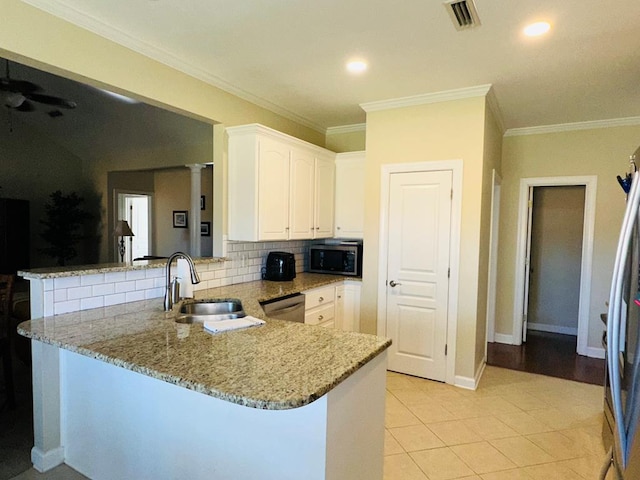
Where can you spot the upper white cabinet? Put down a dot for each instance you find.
(349, 214)
(325, 179)
(280, 188)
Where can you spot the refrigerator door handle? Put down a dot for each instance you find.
(614, 316)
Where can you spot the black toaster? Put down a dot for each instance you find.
(280, 267)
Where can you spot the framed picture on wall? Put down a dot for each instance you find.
(180, 219)
(205, 229)
(202, 202)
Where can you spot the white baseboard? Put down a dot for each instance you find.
(545, 327)
(468, 382)
(502, 338)
(595, 352)
(45, 461)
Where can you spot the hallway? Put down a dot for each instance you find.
(548, 354)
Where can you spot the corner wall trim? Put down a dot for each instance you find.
(503, 338)
(595, 352)
(468, 382)
(45, 461)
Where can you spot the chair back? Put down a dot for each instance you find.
(6, 304)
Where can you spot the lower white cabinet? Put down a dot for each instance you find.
(320, 306)
(336, 305)
(350, 320)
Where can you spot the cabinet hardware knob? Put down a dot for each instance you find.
(321, 299)
(320, 317)
(338, 228)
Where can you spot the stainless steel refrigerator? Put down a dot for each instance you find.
(622, 383)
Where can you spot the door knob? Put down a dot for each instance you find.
(393, 284)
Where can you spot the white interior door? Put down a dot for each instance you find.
(136, 210)
(419, 230)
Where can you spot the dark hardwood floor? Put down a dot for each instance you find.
(548, 354)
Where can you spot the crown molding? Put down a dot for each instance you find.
(568, 127)
(436, 97)
(104, 30)
(356, 127)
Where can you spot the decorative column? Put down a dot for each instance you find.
(194, 221)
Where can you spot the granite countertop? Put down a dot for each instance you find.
(75, 270)
(276, 366)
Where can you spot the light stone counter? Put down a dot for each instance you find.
(280, 365)
(75, 270)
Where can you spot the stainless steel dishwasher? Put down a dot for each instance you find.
(289, 308)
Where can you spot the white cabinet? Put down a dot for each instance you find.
(336, 305)
(349, 194)
(280, 188)
(325, 173)
(351, 306)
(320, 306)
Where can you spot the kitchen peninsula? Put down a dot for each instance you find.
(124, 391)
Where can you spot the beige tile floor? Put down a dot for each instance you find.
(515, 426)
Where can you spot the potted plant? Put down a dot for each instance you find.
(64, 218)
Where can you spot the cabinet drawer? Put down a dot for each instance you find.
(320, 315)
(319, 296)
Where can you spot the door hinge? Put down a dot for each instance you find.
(451, 194)
(448, 272)
(445, 349)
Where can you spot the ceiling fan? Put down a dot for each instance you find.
(19, 95)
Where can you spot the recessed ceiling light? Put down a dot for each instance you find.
(537, 29)
(357, 66)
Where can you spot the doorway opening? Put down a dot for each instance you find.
(136, 209)
(523, 257)
(553, 282)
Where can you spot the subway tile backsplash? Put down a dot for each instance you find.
(244, 263)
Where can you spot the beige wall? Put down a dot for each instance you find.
(441, 131)
(172, 192)
(40, 40)
(492, 161)
(346, 142)
(603, 152)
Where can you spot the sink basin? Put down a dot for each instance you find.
(204, 310)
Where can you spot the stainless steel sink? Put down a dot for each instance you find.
(214, 309)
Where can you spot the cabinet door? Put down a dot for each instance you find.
(351, 309)
(273, 190)
(349, 195)
(324, 197)
(301, 199)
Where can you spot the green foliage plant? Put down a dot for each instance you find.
(63, 221)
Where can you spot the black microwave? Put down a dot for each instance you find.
(341, 259)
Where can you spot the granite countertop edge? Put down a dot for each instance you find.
(251, 302)
(77, 270)
(198, 387)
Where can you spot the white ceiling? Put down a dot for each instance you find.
(290, 54)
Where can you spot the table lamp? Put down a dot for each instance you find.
(122, 230)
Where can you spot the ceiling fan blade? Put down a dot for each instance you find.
(49, 100)
(21, 86)
(25, 107)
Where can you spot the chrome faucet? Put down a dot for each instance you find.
(168, 294)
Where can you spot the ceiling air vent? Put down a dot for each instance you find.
(463, 14)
